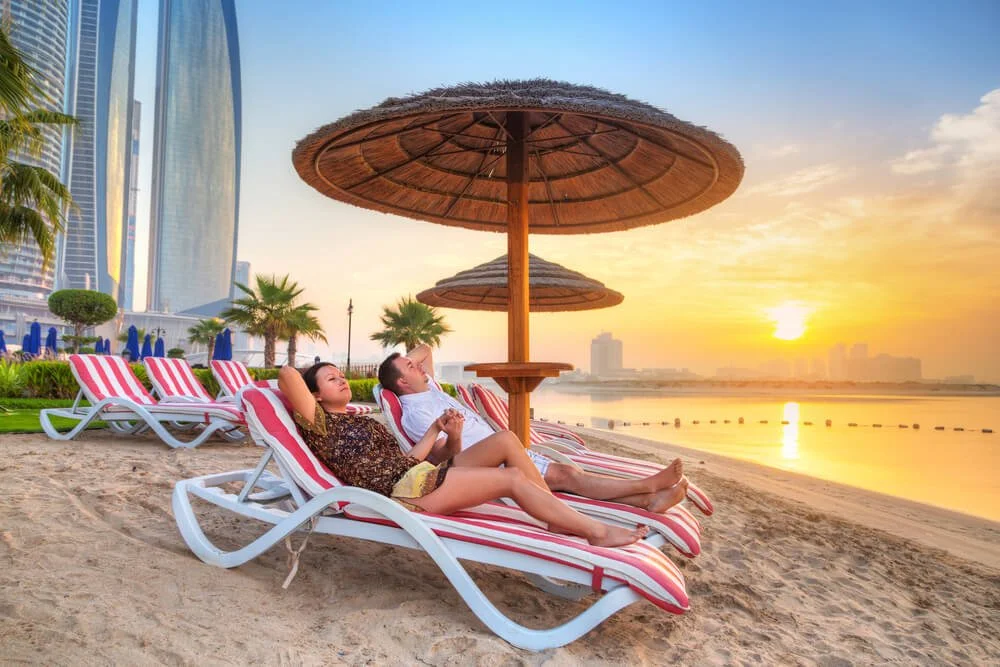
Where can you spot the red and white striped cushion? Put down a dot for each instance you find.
(173, 378)
(494, 409)
(465, 397)
(392, 408)
(231, 376)
(271, 423)
(106, 376)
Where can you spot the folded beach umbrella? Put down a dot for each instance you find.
(26, 344)
(147, 346)
(99, 345)
(107, 346)
(159, 349)
(50, 340)
(520, 157)
(3, 343)
(36, 338)
(132, 345)
(227, 345)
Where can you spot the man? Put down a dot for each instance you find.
(422, 402)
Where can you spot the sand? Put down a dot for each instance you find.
(93, 571)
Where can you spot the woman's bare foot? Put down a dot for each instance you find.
(663, 500)
(615, 536)
(669, 476)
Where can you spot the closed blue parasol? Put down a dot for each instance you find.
(159, 349)
(36, 338)
(227, 345)
(107, 346)
(26, 345)
(50, 341)
(132, 345)
(99, 345)
(3, 343)
(147, 347)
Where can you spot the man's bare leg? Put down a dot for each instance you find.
(564, 477)
(660, 501)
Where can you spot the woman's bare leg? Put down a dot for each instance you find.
(501, 448)
(467, 487)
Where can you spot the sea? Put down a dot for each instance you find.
(927, 448)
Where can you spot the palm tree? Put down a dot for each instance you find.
(264, 311)
(301, 322)
(411, 324)
(204, 333)
(33, 201)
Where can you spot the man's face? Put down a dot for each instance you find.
(412, 378)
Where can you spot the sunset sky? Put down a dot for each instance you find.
(869, 208)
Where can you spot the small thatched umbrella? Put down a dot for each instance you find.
(553, 288)
(520, 156)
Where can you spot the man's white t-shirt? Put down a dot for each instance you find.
(421, 409)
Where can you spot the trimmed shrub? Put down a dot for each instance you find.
(11, 381)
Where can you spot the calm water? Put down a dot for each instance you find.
(956, 470)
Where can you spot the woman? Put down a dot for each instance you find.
(362, 452)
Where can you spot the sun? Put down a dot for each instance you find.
(789, 319)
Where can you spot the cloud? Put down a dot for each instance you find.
(800, 182)
(965, 144)
(784, 151)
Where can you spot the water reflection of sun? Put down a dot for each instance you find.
(790, 432)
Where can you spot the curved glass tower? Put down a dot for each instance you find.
(41, 30)
(103, 72)
(196, 156)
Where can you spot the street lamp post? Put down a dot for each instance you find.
(350, 312)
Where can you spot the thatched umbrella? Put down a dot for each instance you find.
(552, 288)
(520, 156)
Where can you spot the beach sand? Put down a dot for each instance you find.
(793, 571)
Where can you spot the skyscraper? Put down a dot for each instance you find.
(127, 295)
(196, 156)
(605, 355)
(41, 30)
(102, 73)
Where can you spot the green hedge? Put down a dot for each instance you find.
(54, 380)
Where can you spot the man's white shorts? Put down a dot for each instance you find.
(541, 462)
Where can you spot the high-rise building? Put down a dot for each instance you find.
(196, 156)
(102, 74)
(127, 296)
(42, 31)
(241, 276)
(838, 362)
(605, 355)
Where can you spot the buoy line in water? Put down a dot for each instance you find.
(677, 423)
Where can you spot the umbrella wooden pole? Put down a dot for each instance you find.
(517, 271)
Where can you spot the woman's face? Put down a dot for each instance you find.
(332, 388)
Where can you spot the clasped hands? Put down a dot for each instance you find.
(451, 422)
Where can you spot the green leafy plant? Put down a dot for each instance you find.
(11, 382)
(175, 353)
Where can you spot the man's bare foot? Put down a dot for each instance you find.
(615, 536)
(663, 500)
(668, 476)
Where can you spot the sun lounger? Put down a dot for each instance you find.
(173, 380)
(493, 533)
(495, 411)
(233, 376)
(118, 398)
(677, 525)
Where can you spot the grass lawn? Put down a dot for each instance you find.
(20, 415)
